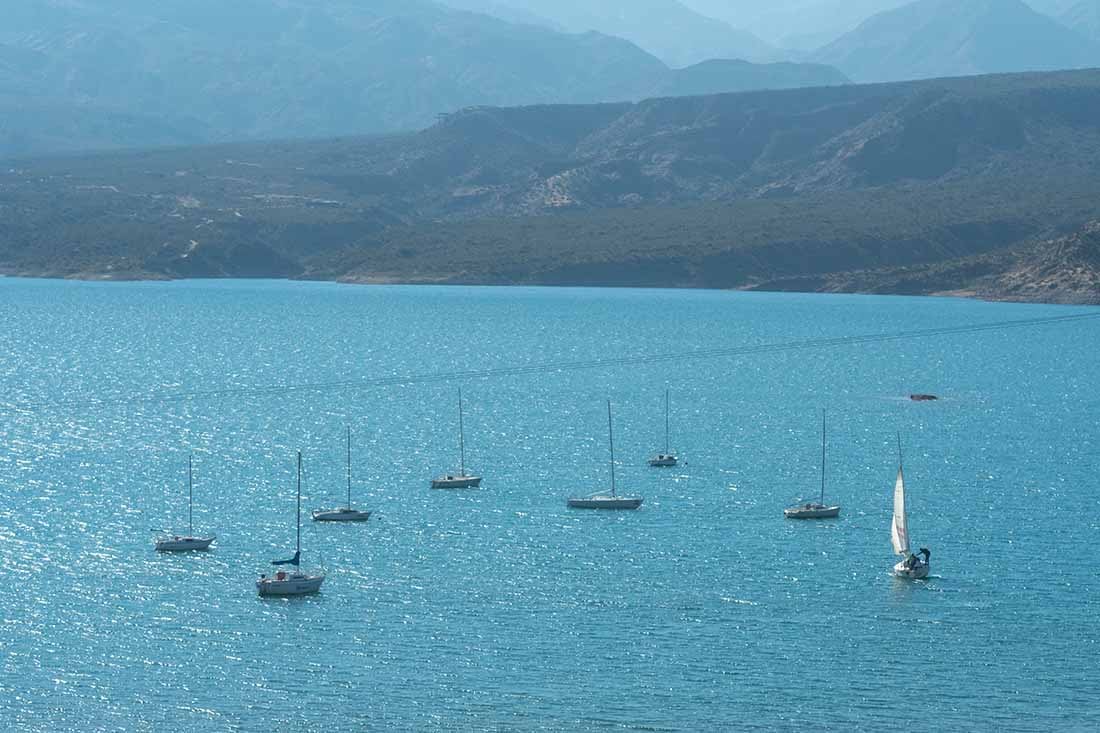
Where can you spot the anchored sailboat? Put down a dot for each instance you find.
(294, 582)
(460, 480)
(169, 542)
(668, 458)
(345, 513)
(913, 566)
(819, 510)
(604, 500)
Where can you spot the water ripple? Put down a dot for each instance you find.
(501, 609)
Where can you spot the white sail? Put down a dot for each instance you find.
(899, 531)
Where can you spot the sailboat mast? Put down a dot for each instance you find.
(611, 443)
(298, 521)
(190, 499)
(461, 437)
(666, 424)
(899, 452)
(349, 467)
(823, 457)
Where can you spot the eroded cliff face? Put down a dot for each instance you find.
(1063, 270)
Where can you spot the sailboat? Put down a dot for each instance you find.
(294, 582)
(913, 566)
(461, 479)
(819, 510)
(346, 513)
(666, 459)
(169, 542)
(602, 499)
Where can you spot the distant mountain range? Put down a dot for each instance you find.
(81, 74)
(869, 40)
(1083, 17)
(936, 38)
(903, 187)
(1053, 8)
(794, 24)
(668, 29)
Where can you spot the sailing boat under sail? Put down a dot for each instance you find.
(169, 542)
(294, 582)
(667, 459)
(604, 500)
(345, 513)
(819, 510)
(913, 566)
(460, 480)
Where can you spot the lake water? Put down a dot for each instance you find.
(500, 609)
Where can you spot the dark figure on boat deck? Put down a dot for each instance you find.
(914, 560)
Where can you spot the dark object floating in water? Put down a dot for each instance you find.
(923, 397)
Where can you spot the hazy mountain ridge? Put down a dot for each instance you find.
(80, 75)
(1083, 17)
(668, 29)
(509, 11)
(265, 69)
(784, 21)
(1053, 8)
(808, 25)
(937, 38)
(776, 188)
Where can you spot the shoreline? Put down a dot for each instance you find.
(382, 280)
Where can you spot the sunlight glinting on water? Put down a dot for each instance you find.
(500, 608)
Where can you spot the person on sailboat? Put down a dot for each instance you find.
(914, 560)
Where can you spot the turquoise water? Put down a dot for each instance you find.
(499, 609)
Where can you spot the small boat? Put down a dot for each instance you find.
(460, 480)
(923, 397)
(168, 542)
(820, 510)
(913, 566)
(667, 459)
(602, 499)
(345, 513)
(295, 582)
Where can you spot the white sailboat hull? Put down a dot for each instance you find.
(605, 502)
(812, 511)
(183, 544)
(663, 461)
(457, 482)
(289, 584)
(340, 515)
(916, 572)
